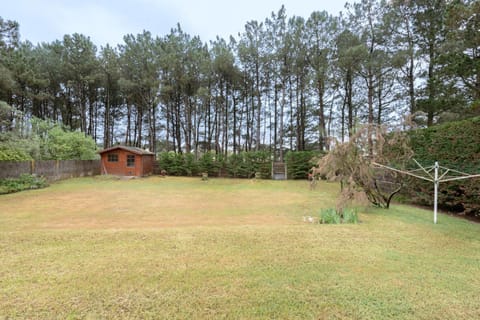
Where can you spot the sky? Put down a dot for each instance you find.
(107, 21)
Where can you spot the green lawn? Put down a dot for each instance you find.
(180, 248)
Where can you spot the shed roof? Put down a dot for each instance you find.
(135, 150)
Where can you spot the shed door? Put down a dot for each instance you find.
(130, 165)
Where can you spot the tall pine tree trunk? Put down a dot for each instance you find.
(321, 114)
(259, 105)
(106, 120)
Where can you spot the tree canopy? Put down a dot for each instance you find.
(286, 83)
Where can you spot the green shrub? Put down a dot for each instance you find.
(350, 216)
(300, 162)
(10, 154)
(45, 140)
(332, 216)
(171, 162)
(58, 142)
(24, 182)
(259, 162)
(455, 145)
(329, 216)
(63, 144)
(14, 148)
(242, 165)
(209, 163)
(238, 166)
(190, 165)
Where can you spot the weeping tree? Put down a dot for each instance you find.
(352, 163)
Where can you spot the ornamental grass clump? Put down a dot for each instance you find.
(329, 216)
(332, 216)
(350, 216)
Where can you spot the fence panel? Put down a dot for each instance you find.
(50, 169)
(45, 168)
(13, 169)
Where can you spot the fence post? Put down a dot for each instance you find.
(32, 167)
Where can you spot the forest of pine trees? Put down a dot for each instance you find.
(285, 83)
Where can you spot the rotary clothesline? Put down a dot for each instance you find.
(435, 174)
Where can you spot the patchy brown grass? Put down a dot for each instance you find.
(98, 203)
(179, 248)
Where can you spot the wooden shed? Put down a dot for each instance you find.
(126, 161)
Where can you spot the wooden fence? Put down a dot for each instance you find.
(51, 169)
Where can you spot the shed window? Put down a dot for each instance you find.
(112, 157)
(130, 161)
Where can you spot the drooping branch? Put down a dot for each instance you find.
(351, 164)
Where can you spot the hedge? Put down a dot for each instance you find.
(240, 165)
(454, 145)
(300, 162)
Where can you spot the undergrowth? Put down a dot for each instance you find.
(24, 182)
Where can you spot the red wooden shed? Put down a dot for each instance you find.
(127, 161)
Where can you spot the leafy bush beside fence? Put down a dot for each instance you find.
(46, 140)
(24, 182)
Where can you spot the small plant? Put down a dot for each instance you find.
(329, 216)
(332, 216)
(350, 216)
